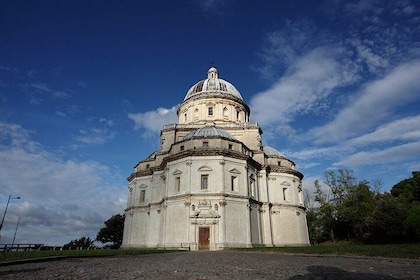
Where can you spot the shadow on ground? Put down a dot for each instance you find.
(328, 272)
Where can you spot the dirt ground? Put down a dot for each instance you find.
(214, 265)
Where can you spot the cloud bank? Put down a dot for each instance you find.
(61, 199)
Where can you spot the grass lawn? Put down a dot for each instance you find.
(13, 256)
(410, 251)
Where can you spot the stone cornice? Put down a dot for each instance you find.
(192, 153)
(282, 169)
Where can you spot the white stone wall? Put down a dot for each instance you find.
(252, 199)
(224, 110)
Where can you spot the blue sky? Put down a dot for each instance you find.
(86, 86)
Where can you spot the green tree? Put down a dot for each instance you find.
(81, 243)
(329, 199)
(385, 221)
(407, 193)
(412, 223)
(354, 210)
(113, 231)
(408, 189)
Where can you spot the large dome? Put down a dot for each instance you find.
(213, 85)
(271, 152)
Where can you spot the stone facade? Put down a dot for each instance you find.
(212, 184)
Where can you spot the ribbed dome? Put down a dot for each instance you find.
(206, 131)
(271, 152)
(214, 85)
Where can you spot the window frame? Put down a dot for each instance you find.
(142, 198)
(177, 184)
(204, 182)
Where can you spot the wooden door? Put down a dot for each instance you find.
(204, 238)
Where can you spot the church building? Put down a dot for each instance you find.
(212, 184)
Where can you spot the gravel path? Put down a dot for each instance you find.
(215, 265)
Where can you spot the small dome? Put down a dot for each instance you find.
(152, 155)
(271, 152)
(213, 84)
(206, 131)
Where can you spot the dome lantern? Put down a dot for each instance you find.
(212, 73)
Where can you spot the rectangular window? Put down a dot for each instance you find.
(182, 148)
(205, 144)
(142, 195)
(210, 111)
(230, 146)
(233, 183)
(284, 194)
(177, 184)
(204, 182)
(252, 186)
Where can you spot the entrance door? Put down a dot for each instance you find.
(204, 238)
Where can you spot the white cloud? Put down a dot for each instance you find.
(377, 100)
(60, 94)
(5, 68)
(82, 84)
(95, 135)
(304, 87)
(215, 6)
(61, 200)
(153, 121)
(108, 122)
(397, 153)
(402, 129)
(61, 114)
(41, 87)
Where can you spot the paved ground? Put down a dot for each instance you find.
(215, 265)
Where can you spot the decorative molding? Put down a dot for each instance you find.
(204, 168)
(235, 171)
(285, 183)
(177, 172)
(187, 203)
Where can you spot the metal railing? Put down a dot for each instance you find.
(19, 247)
